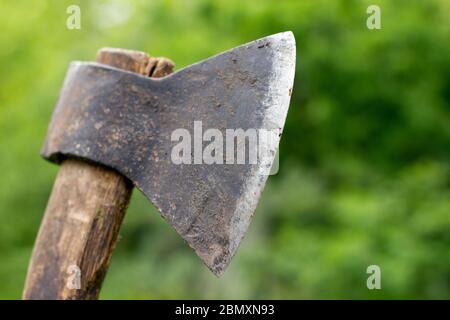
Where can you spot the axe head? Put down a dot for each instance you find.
(188, 141)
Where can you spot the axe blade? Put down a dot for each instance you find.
(126, 122)
(256, 81)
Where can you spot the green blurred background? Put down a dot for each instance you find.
(364, 176)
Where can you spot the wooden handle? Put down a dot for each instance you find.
(85, 210)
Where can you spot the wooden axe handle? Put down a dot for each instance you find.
(79, 230)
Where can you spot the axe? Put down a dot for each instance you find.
(127, 121)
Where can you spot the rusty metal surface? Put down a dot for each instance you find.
(125, 121)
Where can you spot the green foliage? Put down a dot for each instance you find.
(364, 176)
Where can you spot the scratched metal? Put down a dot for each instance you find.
(124, 121)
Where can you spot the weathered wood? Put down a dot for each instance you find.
(84, 213)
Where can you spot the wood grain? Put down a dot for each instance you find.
(84, 212)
